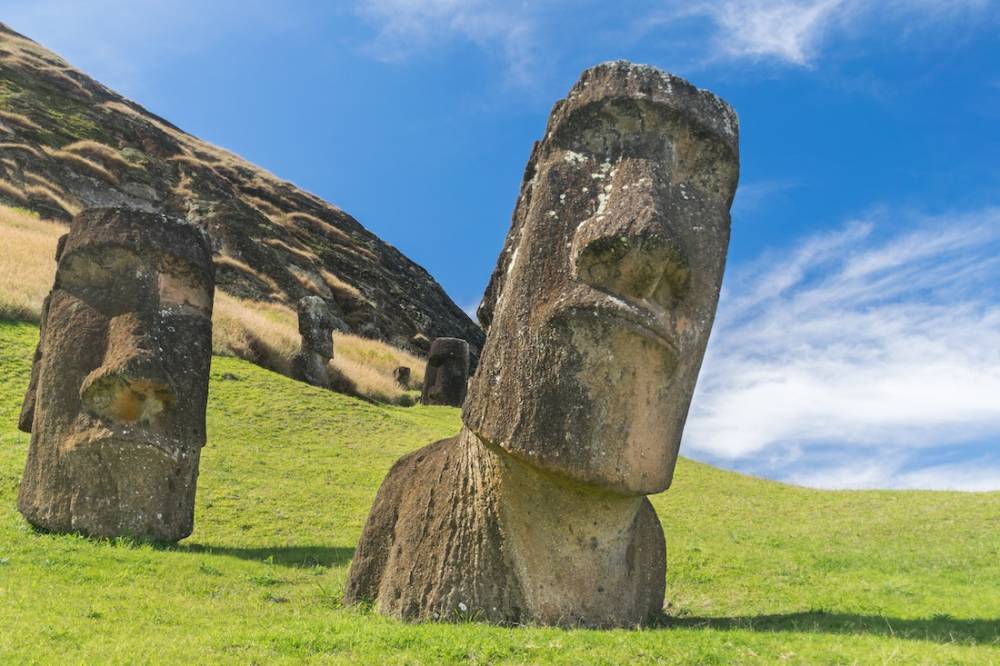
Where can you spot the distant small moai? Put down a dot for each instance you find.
(402, 376)
(118, 389)
(447, 373)
(316, 324)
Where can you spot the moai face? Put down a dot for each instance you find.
(600, 308)
(316, 325)
(122, 379)
(447, 373)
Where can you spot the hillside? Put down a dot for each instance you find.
(68, 142)
(758, 572)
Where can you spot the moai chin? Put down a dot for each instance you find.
(597, 318)
(119, 386)
(316, 324)
(447, 374)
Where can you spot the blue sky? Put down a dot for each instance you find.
(858, 341)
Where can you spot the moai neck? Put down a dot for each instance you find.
(578, 553)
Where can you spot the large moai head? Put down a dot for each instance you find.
(120, 383)
(600, 307)
(447, 373)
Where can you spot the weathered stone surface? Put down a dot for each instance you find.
(316, 324)
(272, 240)
(447, 373)
(120, 381)
(402, 376)
(597, 316)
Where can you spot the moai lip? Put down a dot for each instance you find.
(597, 317)
(119, 386)
(447, 374)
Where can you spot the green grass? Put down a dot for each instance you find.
(758, 572)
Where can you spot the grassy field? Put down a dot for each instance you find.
(758, 572)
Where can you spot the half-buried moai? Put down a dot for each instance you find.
(116, 404)
(316, 324)
(447, 374)
(597, 317)
(402, 376)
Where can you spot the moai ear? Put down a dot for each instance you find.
(28, 406)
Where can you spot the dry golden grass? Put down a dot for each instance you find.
(338, 285)
(28, 148)
(19, 119)
(27, 263)
(11, 190)
(225, 260)
(267, 334)
(67, 205)
(264, 333)
(302, 251)
(100, 151)
(81, 161)
(315, 224)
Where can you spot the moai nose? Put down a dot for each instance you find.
(627, 248)
(131, 385)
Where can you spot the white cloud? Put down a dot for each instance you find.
(879, 350)
(795, 31)
(406, 26)
(781, 29)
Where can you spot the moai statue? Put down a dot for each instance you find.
(597, 317)
(447, 374)
(316, 324)
(402, 376)
(116, 404)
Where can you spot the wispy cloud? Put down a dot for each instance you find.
(406, 26)
(755, 195)
(796, 31)
(855, 347)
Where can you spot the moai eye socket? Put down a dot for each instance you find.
(182, 289)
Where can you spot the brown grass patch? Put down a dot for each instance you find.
(27, 263)
(28, 148)
(315, 224)
(81, 161)
(19, 119)
(103, 152)
(226, 260)
(11, 190)
(302, 252)
(56, 197)
(338, 285)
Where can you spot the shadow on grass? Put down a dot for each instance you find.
(286, 556)
(939, 628)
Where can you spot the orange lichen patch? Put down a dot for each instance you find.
(19, 119)
(80, 161)
(128, 400)
(103, 152)
(336, 284)
(315, 224)
(28, 148)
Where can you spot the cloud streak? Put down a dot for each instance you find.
(856, 347)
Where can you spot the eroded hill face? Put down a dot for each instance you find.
(68, 143)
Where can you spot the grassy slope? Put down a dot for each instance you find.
(757, 572)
